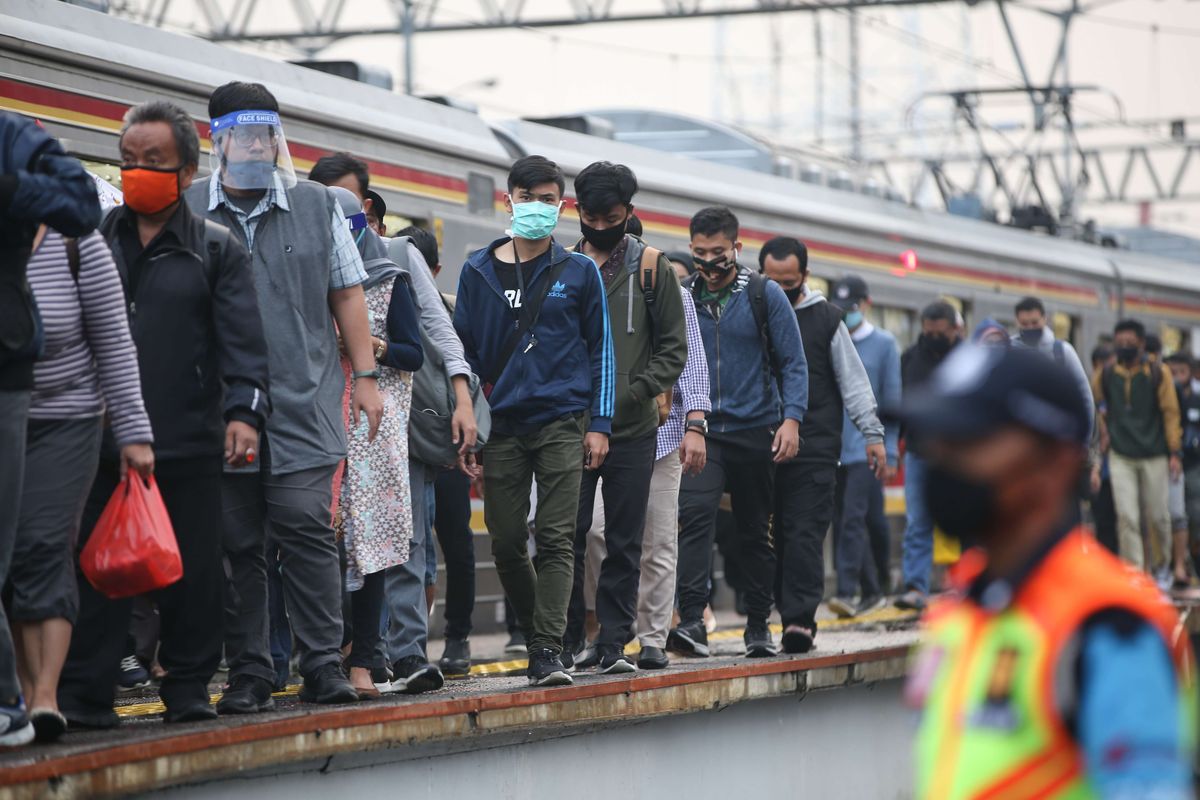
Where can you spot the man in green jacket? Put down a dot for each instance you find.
(645, 310)
(1140, 414)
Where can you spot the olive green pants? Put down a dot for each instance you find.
(554, 456)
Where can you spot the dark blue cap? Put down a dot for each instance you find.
(979, 390)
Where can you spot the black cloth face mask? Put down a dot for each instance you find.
(604, 239)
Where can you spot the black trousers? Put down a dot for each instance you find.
(860, 531)
(626, 473)
(365, 612)
(452, 523)
(803, 511)
(190, 609)
(738, 463)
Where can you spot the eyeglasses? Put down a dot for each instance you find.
(247, 135)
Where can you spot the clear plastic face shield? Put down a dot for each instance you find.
(249, 151)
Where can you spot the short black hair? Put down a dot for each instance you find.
(1133, 325)
(1102, 352)
(240, 96)
(1030, 304)
(682, 257)
(1153, 343)
(940, 309)
(1180, 357)
(532, 171)
(331, 168)
(425, 242)
(633, 226)
(781, 248)
(187, 141)
(713, 220)
(603, 185)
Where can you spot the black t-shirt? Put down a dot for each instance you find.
(506, 273)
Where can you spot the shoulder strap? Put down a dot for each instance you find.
(1060, 352)
(530, 312)
(215, 238)
(649, 269)
(72, 245)
(756, 289)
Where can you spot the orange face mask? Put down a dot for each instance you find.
(150, 190)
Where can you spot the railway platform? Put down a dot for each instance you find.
(493, 711)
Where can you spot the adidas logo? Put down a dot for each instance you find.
(559, 289)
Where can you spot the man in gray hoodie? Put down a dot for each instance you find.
(805, 485)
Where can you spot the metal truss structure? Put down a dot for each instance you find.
(314, 24)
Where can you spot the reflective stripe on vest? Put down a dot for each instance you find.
(991, 725)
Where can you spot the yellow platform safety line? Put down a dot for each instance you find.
(494, 668)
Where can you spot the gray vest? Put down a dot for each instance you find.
(291, 265)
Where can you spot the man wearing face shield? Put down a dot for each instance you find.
(309, 276)
(940, 333)
(1057, 671)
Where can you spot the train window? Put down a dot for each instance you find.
(1172, 338)
(481, 193)
(900, 322)
(1064, 326)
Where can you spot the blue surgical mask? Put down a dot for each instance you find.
(854, 319)
(533, 221)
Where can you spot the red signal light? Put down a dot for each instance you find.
(908, 259)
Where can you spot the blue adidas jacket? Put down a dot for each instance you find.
(571, 369)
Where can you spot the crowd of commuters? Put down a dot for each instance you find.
(314, 411)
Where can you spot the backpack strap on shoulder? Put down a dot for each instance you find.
(73, 261)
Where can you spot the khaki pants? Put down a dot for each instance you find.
(660, 549)
(1137, 484)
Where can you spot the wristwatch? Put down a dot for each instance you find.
(366, 373)
(700, 426)
(381, 350)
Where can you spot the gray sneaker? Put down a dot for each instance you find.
(842, 606)
(912, 600)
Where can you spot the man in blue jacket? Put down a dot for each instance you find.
(758, 379)
(39, 183)
(533, 320)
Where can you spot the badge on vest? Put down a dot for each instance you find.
(996, 711)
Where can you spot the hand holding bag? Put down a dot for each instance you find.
(132, 549)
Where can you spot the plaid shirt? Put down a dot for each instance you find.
(345, 264)
(691, 390)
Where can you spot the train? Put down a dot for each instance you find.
(444, 168)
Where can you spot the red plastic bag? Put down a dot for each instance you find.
(132, 549)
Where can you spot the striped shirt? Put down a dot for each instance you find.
(90, 358)
(345, 263)
(691, 390)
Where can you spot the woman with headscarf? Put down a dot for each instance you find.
(374, 515)
(989, 332)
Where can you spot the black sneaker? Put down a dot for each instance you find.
(456, 658)
(415, 675)
(613, 661)
(653, 658)
(516, 643)
(566, 658)
(589, 657)
(382, 678)
(246, 695)
(328, 685)
(546, 669)
(797, 639)
(133, 675)
(689, 639)
(758, 641)
(190, 712)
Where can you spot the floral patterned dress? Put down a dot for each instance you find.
(375, 505)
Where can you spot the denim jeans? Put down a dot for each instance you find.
(918, 533)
